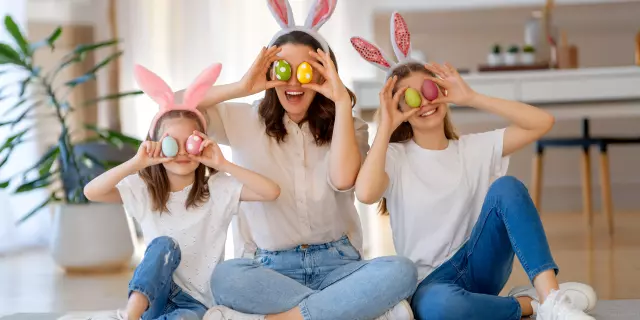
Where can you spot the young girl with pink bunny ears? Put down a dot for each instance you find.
(302, 254)
(184, 204)
(460, 228)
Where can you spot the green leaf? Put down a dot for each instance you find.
(21, 117)
(40, 182)
(15, 32)
(115, 96)
(4, 185)
(91, 74)
(15, 106)
(14, 139)
(9, 55)
(23, 86)
(90, 161)
(52, 198)
(53, 37)
(115, 138)
(83, 48)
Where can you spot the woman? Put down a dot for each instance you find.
(461, 230)
(307, 244)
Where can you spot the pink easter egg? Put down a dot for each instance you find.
(193, 144)
(429, 90)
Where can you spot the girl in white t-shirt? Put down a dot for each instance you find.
(182, 199)
(460, 229)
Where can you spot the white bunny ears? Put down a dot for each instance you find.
(161, 93)
(401, 40)
(320, 12)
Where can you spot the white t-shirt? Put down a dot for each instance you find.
(310, 210)
(201, 232)
(434, 197)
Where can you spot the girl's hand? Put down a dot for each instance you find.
(332, 87)
(390, 114)
(255, 80)
(150, 154)
(457, 91)
(210, 153)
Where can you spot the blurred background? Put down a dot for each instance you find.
(577, 58)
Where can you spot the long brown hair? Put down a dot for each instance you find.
(157, 181)
(322, 111)
(404, 132)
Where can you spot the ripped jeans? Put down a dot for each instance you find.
(154, 279)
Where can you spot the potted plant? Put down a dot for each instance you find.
(511, 56)
(528, 55)
(495, 56)
(85, 235)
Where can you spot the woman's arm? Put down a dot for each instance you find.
(373, 179)
(528, 123)
(256, 187)
(103, 188)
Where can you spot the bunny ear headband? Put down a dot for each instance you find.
(320, 12)
(401, 39)
(160, 92)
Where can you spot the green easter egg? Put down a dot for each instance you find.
(412, 98)
(283, 70)
(169, 147)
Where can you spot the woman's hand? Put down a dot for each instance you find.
(390, 114)
(255, 80)
(210, 153)
(150, 154)
(331, 87)
(457, 90)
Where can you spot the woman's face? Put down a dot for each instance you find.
(295, 99)
(430, 116)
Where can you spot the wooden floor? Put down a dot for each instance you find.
(30, 282)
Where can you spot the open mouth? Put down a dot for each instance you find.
(294, 96)
(428, 113)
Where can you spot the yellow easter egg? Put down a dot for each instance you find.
(305, 73)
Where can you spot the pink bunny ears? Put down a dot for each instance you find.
(320, 12)
(162, 94)
(401, 39)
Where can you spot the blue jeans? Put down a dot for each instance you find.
(154, 279)
(468, 284)
(327, 281)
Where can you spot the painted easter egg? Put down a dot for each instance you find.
(429, 90)
(305, 73)
(193, 144)
(283, 70)
(412, 98)
(169, 146)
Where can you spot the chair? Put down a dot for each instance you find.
(584, 142)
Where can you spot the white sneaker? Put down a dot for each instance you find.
(401, 311)
(224, 313)
(582, 296)
(558, 306)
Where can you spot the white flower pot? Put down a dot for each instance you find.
(494, 59)
(528, 58)
(92, 237)
(510, 59)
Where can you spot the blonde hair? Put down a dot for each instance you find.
(404, 132)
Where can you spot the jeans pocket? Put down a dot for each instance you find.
(346, 252)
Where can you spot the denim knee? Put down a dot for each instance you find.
(166, 247)
(228, 277)
(398, 275)
(507, 185)
(440, 301)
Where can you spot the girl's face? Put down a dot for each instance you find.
(180, 129)
(295, 99)
(430, 116)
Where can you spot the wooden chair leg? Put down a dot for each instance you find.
(605, 188)
(536, 179)
(586, 187)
